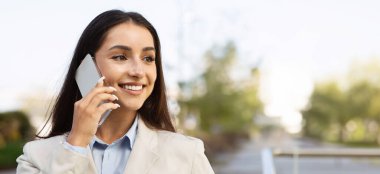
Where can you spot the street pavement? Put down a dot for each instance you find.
(247, 159)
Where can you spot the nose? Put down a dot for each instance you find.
(136, 69)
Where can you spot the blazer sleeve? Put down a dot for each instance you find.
(201, 165)
(24, 164)
(40, 158)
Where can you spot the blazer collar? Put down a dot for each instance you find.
(144, 152)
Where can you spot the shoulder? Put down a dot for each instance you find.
(41, 148)
(43, 143)
(179, 142)
(49, 156)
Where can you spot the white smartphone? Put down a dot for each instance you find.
(87, 76)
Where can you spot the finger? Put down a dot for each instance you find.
(100, 82)
(98, 90)
(106, 106)
(100, 99)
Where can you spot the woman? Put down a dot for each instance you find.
(138, 136)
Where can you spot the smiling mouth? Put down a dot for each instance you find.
(132, 87)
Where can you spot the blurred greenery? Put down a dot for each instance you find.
(9, 153)
(15, 130)
(347, 111)
(223, 105)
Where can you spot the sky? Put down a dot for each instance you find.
(294, 42)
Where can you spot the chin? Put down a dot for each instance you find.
(132, 106)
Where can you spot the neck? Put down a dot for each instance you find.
(116, 125)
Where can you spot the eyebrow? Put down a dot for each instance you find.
(127, 48)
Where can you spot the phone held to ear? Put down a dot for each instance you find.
(87, 76)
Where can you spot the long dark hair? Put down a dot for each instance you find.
(154, 111)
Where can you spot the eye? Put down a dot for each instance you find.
(149, 59)
(119, 57)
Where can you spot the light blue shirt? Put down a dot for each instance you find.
(110, 158)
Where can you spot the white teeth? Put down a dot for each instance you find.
(132, 87)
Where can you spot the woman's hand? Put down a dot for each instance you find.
(88, 111)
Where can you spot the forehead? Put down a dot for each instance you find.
(128, 34)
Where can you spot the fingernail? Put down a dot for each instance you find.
(115, 97)
(101, 79)
(114, 89)
(118, 106)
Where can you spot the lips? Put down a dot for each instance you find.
(132, 88)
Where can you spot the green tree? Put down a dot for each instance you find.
(350, 113)
(222, 104)
(15, 130)
(325, 111)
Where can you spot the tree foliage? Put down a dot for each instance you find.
(346, 113)
(15, 126)
(15, 130)
(220, 102)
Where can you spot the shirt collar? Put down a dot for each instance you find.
(131, 135)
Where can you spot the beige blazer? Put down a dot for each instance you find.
(154, 151)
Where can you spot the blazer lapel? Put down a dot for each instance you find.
(144, 151)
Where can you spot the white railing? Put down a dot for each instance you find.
(268, 154)
(267, 159)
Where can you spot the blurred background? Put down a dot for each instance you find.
(241, 75)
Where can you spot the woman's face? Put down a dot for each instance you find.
(127, 60)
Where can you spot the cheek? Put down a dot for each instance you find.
(102, 67)
(153, 76)
(110, 72)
